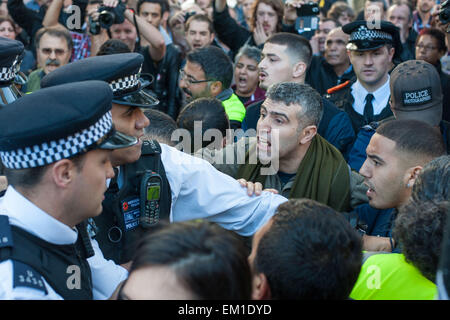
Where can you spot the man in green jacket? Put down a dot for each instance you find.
(208, 74)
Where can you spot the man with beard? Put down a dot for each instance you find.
(286, 57)
(422, 15)
(302, 163)
(208, 74)
(53, 49)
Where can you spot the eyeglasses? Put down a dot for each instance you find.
(427, 48)
(189, 80)
(48, 51)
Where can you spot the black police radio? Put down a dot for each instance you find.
(150, 195)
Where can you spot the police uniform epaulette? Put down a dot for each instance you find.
(338, 87)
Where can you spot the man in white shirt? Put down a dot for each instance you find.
(371, 50)
(56, 151)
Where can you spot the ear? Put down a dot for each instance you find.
(260, 287)
(211, 37)
(299, 69)
(215, 88)
(391, 54)
(411, 175)
(63, 173)
(307, 134)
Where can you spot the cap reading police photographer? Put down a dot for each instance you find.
(121, 71)
(416, 87)
(55, 123)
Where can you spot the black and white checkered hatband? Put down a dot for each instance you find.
(52, 151)
(8, 73)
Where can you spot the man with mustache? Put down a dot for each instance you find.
(53, 49)
(208, 74)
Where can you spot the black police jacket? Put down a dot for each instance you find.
(343, 99)
(119, 226)
(33, 255)
(165, 83)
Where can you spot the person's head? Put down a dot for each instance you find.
(371, 51)
(285, 57)
(374, 10)
(56, 147)
(126, 32)
(113, 46)
(153, 11)
(341, 12)
(419, 228)
(288, 122)
(268, 14)
(432, 182)
(189, 261)
(416, 92)
(295, 256)
(336, 48)
(247, 6)
(198, 117)
(246, 72)
(203, 4)
(425, 6)
(430, 45)
(53, 48)
(7, 28)
(325, 26)
(122, 72)
(161, 127)
(395, 155)
(208, 71)
(199, 31)
(400, 14)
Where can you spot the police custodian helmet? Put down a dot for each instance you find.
(121, 71)
(58, 123)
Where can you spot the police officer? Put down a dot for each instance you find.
(11, 53)
(156, 181)
(10, 56)
(372, 50)
(56, 149)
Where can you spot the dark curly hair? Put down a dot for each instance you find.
(419, 229)
(309, 252)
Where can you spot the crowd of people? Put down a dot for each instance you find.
(214, 149)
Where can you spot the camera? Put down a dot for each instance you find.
(307, 17)
(444, 13)
(187, 15)
(308, 9)
(109, 16)
(94, 26)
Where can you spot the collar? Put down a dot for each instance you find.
(26, 215)
(225, 94)
(381, 93)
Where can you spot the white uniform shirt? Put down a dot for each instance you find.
(380, 101)
(106, 275)
(199, 191)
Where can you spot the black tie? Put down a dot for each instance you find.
(368, 108)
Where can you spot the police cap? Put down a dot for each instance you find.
(57, 123)
(371, 35)
(121, 71)
(10, 53)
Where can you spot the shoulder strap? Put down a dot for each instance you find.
(64, 267)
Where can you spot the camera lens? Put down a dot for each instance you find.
(106, 19)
